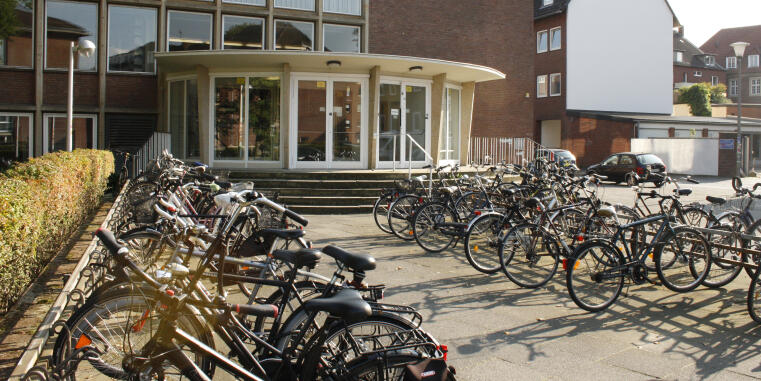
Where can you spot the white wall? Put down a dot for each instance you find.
(619, 56)
(551, 133)
(683, 156)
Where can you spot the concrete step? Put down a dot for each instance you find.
(327, 200)
(332, 209)
(321, 184)
(351, 192)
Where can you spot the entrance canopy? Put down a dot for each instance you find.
(288, 109)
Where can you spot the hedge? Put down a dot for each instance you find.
(42, 202)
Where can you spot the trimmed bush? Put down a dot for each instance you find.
(42, 202)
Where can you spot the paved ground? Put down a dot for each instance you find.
(498, 331)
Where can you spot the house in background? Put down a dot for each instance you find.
(751, 63)
(595, 58)
(692, 65)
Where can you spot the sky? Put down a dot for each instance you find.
(703, 18)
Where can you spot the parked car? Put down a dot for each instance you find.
(560, 156)
(619, 167)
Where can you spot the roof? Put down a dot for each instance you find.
(560, 6)
(653, 118)
(244, 60)
(692, 55)
(719, 43)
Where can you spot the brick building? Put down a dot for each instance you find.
(718, 45)
(692, 65)
(259, 83)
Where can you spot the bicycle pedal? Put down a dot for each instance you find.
(653, 282)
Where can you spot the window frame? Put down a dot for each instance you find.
(274, 33)
(242, 3)
(714, 80)
(546, 89)
(108, 39)
(343, 13)
(314, 7)
(45, 43)
(169, 25)
(34, 17)
(547, 3)
(359, 29)
(698, 74)
(538, 40)
(446, 97)
(549, 38)
(755, 60)
(756, 87)
(549, 84)
(30, 147)
(678, 56)
(46, 129)
(710, 60)
(733, 60)
(733, 87)
(264, 30)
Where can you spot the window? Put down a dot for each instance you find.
(541, 42)
(714, 80)
(305, 5)
(678, 56)
(294, 35)
(183, 118)
(260, 3)
(556, 38)
(68, 21)
(626, 160)
(753, 60)
(347, 7)
(755, 86)
(733, 87)
(449, 141)
(131, 38)
(340, 38)
(15, 136)
(541, 86)
(83, 132)
(731, 62)
(555, 85)
(188, 31)
(710, 60)
(684, 77)
(242, 32)
(613, 160)
(698, 74)
(18, 49)
(547, 3)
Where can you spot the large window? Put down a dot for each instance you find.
(18, 48)
(15, 136)
(261, 3)
(340, 38)
(714, 80)
(678, 56)
(733, 87)
(449, 139)
(541, 42)
(183, 118)
(68, 22)
(556, 37)
(188, 31)
(306, 5)
(242, 32)
(294, 35)
(710, 60)
(555, 85)
(753, 60)
(755, 86)
(131, 38)
(347, 7)
(83, 132)
(541, 86)
(731, 62)
(247, 118)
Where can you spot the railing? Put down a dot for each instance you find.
(151, 150)
(492, 150)
(409, 162)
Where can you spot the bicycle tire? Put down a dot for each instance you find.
(722, 273)
(754, 298)
(380, 212)
(755, 230)
(590, 263)
(528, 256)
(400, 216)
(682, 259)
(482, 243)
(427, 229)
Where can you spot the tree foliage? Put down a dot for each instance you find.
(8, 20)
(719, 94)
(698, 97)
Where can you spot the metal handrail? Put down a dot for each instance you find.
(409, 163)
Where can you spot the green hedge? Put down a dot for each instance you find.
(42, 202)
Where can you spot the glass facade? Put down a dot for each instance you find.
(131, 38)
(312, 97)
(229, 106)
(263, 118)
(188, 31)
(449, 139)
(18, 49)
(347, 7)
(347, 121)
(242, 32)
(83, 132)
(341, 38)
(14, 136)
(294, 35)
(67, 22)
(305, 5)
(260, 3)
(183, 118)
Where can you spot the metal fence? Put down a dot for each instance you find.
(492, 150)
(151, 150)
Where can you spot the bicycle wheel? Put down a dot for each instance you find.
(380, 212)
(528, 255)
(754, 298)
(595, 275)
(755, 230)
(118, 324)
(482, 243)
(430, 229)
(400, 216)
(695, 216)
(721, 272)
(469, 202)
(682, 259)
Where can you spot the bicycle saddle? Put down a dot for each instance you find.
(451, 189)
(683, 192)
(346, 303)
(282, 233)
(716, 200)
(299, 258)
(357, 262)
(606, 212)
(534, 202)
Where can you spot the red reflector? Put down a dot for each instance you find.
(444, 350)
(171, 209)
(141, 323)
(477, 212)
(396, 194)
(420, 200)
(580, 238)
(640, 171)
(83, 342)
(170, 292)
(565, 264)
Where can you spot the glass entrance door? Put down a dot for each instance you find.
(404, 110)
(329, 124)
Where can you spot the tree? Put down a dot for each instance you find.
(698, 97)
(8, 21)
(719, 94)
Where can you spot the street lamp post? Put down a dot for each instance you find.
(84, 48)
(739, 48)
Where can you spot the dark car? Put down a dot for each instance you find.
(562, 157)
(619, 167)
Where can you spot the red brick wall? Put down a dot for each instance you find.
(592, 140)
(494, 33)
(131, 91)
(552, 61)
(728, 158)
(17, 88)
(749, 111)
(56, 88)
(679, 72)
